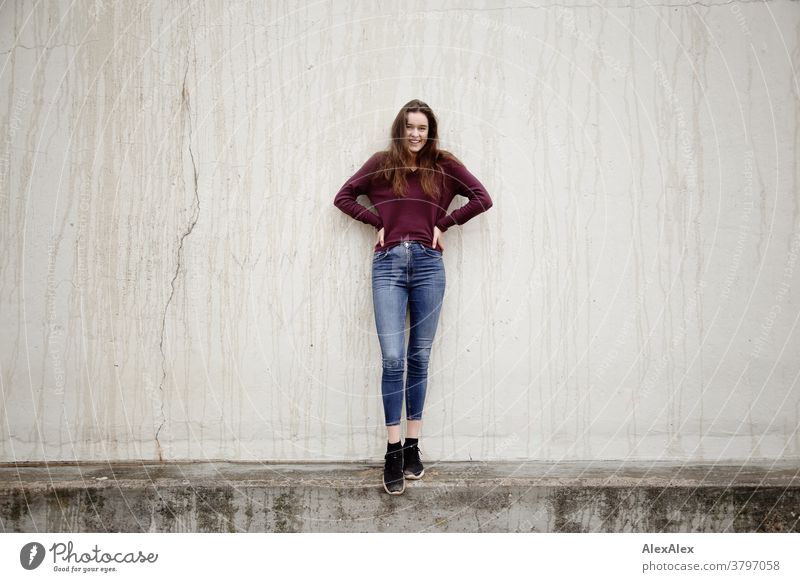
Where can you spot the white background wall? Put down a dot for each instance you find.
(176, 283)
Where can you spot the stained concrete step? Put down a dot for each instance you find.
(511, 496)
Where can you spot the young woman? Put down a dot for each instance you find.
(411, 185)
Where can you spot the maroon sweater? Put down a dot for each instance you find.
(412, 217)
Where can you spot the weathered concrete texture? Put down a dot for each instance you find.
(455, 497)
(176, 283)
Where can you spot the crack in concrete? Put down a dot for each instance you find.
(193, 222)
(40, 47)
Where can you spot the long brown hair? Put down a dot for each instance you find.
(394, 168)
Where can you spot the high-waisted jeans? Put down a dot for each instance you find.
(410, 274)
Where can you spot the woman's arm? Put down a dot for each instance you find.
(469, 186)
(345, 199)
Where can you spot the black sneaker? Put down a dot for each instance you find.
(393, 480)
(412, 466)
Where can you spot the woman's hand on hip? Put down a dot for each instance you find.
(380, 236)
(437, 237)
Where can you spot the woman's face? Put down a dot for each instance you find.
(416, 131)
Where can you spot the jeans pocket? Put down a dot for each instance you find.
(432, 252)
(378, 255)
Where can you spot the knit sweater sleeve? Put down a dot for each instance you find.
(358, 184)
(469, 186)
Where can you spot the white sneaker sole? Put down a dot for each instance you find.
(385, 488)
(412, 476)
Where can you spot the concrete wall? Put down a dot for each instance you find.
(176, 283)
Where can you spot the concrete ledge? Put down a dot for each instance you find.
(348, 497)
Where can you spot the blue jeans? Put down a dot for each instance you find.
(410, 274)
